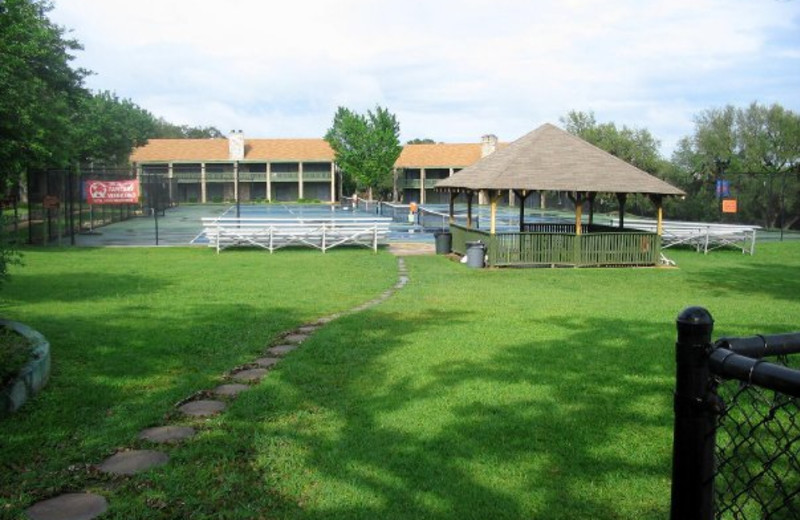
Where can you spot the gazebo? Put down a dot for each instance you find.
(550, 159)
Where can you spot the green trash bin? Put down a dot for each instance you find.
(444, 242)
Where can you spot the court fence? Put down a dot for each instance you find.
(736, 445)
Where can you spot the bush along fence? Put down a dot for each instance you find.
(736, 445)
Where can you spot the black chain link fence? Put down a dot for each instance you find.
(757, 457)
(52, 207)
(736, 448)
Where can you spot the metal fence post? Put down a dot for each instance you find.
(693, 440)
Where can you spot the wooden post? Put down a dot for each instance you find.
(621, 198)
(470, 195)
(522, 195)
(658, 201)
(592, 196)
(579, 198)
(453, 195)
(494, 195)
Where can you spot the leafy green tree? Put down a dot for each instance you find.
(166, 130)
(421, 141)
(39, 93)
(39, 90)
(365, 146)
(757, 150)
(107, 128)
(635, 146)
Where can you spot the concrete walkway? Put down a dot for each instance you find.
(130, 462)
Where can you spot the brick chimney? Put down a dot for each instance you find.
(236, 145)
(488, 144)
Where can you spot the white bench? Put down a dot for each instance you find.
(274, 233)
(702, 236)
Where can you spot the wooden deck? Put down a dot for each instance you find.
(596, 246)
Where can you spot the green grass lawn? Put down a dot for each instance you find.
(531, 393)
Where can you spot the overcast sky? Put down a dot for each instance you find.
(450, 70)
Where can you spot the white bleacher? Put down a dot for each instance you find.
(275, 233)
(703, 236)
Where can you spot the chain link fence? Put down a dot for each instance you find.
(736, 448)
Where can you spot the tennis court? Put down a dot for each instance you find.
(183, 225)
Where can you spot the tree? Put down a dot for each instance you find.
(39, 92)
(421, 141)
(365, 146)
(166, 130)
(635, 146)
(107, 128)
(757, 150)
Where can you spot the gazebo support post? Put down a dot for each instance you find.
(621, 198)
(578, 199)
(453, 195)
(522, 195)
(470, 195)
(658, 201)
(591, 196)
(494, 196)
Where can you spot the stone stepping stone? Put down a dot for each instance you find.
(70, 506)
(280, 350)
(266, 362)
(249, 376)
(230, 390)
(202, 408)
(132, 462)
(295, 338)
(307, 329)
(161, 434)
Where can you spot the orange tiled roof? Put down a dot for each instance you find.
(199, 150)
(441, 155)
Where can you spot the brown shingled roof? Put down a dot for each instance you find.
(550, 159)
(200, 150)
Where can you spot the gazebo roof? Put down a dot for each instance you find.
(550, 159)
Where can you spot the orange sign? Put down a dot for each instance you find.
(729, 206)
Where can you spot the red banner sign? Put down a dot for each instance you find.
(112, 192)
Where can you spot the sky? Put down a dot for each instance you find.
(449, 70)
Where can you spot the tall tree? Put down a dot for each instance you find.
(366, 146)
(636, 146)
(107, 128)
(39, 89)
(757, 150)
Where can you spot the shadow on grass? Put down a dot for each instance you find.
(772, 280)
(83, 286)
(113, 378)
(591, 440)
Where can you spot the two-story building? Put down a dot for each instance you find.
(217, 170)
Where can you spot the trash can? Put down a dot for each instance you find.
(444, 242)
(475, 254)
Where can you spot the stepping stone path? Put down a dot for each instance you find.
(266, 362)
(281, 350)
(162, 434)
(71, 506)
(133, 462)
(230, 390)
(85, 506)
(202, 408)
(295, 339)
(250, 376)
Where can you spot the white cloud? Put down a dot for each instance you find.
(450, 70)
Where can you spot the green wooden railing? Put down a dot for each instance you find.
(602, 246)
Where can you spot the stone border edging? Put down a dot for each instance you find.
(33, 376)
